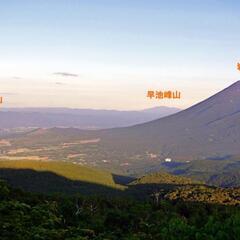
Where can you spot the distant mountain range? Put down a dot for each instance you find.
(79, 118)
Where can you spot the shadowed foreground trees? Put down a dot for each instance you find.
(25, 216)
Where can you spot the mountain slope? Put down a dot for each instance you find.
(208, 130)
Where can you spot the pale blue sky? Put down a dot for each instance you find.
(118, 48)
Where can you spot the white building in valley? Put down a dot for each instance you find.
(168, 159)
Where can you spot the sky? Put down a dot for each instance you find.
(106, 54)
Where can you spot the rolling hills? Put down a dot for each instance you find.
(62, 177)
(54, 177)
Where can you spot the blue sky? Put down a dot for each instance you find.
(117, 50)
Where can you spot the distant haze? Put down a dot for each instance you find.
(80, 118)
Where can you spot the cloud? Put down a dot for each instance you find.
(59, 83)
(66, 74)
(8, 93)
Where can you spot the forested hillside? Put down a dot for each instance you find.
(26, 216)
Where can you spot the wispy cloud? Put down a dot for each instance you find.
(59, 83)
(66, 74)
(8, 93)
